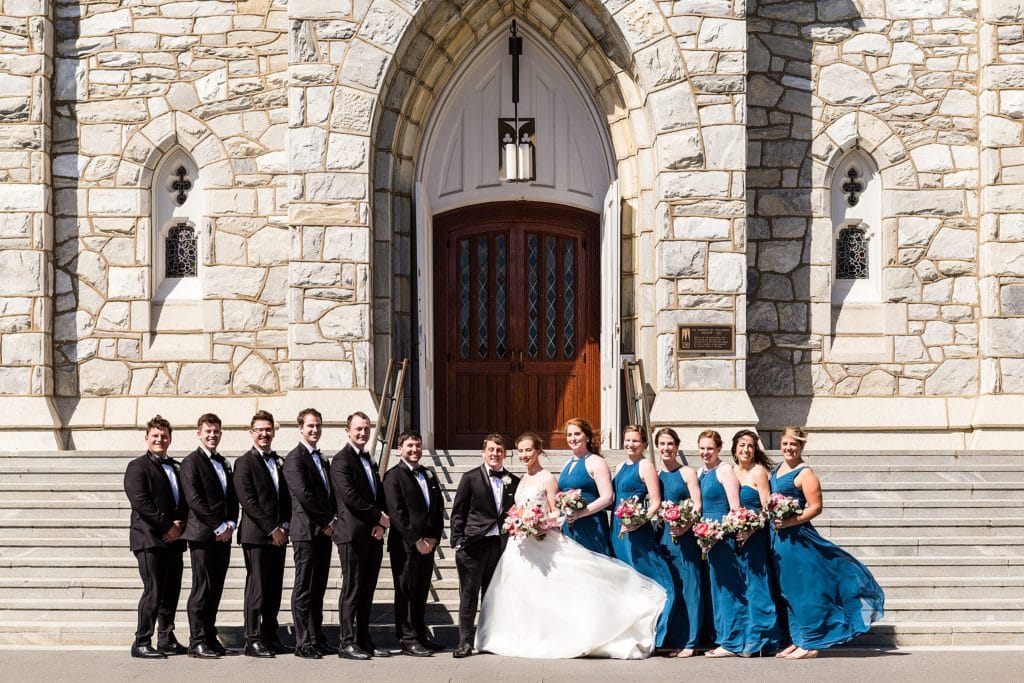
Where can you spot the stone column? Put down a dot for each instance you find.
(996, 420)
(26, 226)
(329, 342)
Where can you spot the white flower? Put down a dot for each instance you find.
(427, 473)
(506, 480)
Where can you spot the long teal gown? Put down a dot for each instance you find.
(830, 596)
(744, 615)
(684, 561)
(753, 556)
(590, 532)
(639, 548)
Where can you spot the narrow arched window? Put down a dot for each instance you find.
(856, 230)
(177, 245)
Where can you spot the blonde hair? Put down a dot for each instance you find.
(798, 433)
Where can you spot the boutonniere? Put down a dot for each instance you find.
(506, 480)
(278, 462)
(428, 474)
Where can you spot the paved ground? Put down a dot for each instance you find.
(990, 666)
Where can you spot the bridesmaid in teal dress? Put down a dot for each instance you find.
(588, 472)
(720, 492)
(751, 470)
(638, 546)
(679, 483)
(830, 596)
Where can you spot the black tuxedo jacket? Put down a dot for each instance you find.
(209, 505)
(473, 511)
(264, 507)
(359, 509)
(313, 506)
(152, 501)
(411, 520)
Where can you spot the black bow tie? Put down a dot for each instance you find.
(158, 460)
(496, 473)
(217, 457)
(270, 456)
(315, 452)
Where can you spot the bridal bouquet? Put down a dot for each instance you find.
(631, 512)
(783, 507)
(677, 515)
(530, 520)
(568, 502)
(708, 534)
(743, 522)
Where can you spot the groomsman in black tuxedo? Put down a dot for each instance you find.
(153, 487)
(212, 518)
(416, 508)
(313, 519)
(481, 504)
(362, 521)
(263, 534)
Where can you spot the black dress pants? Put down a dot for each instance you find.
(360, 566)
(160, 569)
(411, 572)
(476, 564)
(264, 573)
(209, 569)
(312, 568)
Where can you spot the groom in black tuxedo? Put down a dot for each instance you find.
(263, 533)
(416, 507)
(482, 501)
(362, 521)
(206, 481)
(153, 486)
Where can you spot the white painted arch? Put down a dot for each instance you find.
(458, 166)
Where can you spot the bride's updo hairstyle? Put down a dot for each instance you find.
(593, 441)
(535, 441)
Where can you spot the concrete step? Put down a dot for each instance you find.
(865, 548)
(953, 633)
(939, 587)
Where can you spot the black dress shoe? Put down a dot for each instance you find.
(203, 651)
(279, 648)
(257, 649)
(463, 650)
(147, 652)
(307, 652)
(432, 645)
(416, 650)
(377, 651)
(353, 652)
(325, 649)
(173, 647)
(219, 648)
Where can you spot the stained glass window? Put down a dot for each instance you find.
(569, 303)
(550, 295)
(500, 304)
(532, 296)
(852, 254)
(181, 253)
(464, 299)
(482, 272)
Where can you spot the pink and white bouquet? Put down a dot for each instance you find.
(631, 512)
(743, 522)
(782, 507)
(677, 515)
(568, 502)
(708, 533)
(530, 520)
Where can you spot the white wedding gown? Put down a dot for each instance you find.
(554, 599)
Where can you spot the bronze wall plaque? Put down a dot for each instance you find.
(717, 339)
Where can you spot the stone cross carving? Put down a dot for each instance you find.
(181, 185)
(852, 187)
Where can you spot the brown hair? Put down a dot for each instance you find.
(760, 457)
(358, 413)
(309, 411)
(409, 434)
(593, 441)
(710, 434)
(496, 439)
(672, 434)
(638, 429)
(538, 443)
(261, 416)
(208, 419)
(159, 422)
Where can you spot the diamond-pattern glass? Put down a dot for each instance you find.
(852, 254)
(464, 347)
(569, 300)
(550, 294)
(500, 289)
(181, 254)
(532, 296)
(482, 272)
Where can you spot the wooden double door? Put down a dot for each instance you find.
(517, 322)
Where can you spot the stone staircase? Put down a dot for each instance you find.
(943, 533)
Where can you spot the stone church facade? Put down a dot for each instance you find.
(238, 204)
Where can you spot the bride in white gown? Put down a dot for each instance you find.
(554, 599)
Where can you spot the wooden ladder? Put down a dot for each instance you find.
(389, 412)
(638, 409)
